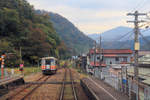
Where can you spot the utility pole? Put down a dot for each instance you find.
(95, 54)
(100, 54)
(100, 50)
(100, 47)
(136, 22)
(94, 58)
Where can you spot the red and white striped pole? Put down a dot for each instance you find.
(2, 66)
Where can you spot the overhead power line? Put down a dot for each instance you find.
(143, 37)
(123, 36)
(132, 31)
(139, 5)
(129, 42)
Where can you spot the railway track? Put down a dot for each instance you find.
(27, 90)
(63, 93)
(14, 86)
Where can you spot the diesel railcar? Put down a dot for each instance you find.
(49, 65)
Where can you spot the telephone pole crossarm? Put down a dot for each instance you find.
(136, 13)
(142, 21)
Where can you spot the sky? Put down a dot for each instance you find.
(94, 16)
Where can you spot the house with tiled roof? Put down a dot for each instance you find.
(109, 57)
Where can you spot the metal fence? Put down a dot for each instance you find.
(7, 75)
(110, 78)
(123, 83)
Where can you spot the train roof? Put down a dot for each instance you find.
(49, 58)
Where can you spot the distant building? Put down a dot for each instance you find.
(143, 53)
(144, 57)
(109, 57)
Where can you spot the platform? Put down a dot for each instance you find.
(98, 90)
(11, 79)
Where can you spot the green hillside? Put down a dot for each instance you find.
(21, 28)
(76, 41)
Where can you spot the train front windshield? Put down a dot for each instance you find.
(50, 62)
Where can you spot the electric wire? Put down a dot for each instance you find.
(143, 37)
(135, 8)
(130, 33)
(126, 34)
(128, 44)
(139, 5)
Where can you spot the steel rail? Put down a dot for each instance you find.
(18, 92)
(73, 87)
(63, 87)
(35, 88)
(74, 93)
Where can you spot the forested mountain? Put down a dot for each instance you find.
(22, 29)
(111, 34)
(127, 44)
(117, 32)
(76, 41)
(122, 38)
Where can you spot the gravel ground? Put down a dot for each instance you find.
(80, 93)
(33, 77)
(49, 91)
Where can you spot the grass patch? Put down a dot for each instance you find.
(27, 70)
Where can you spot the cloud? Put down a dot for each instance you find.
(90, 16)
(91, 28)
